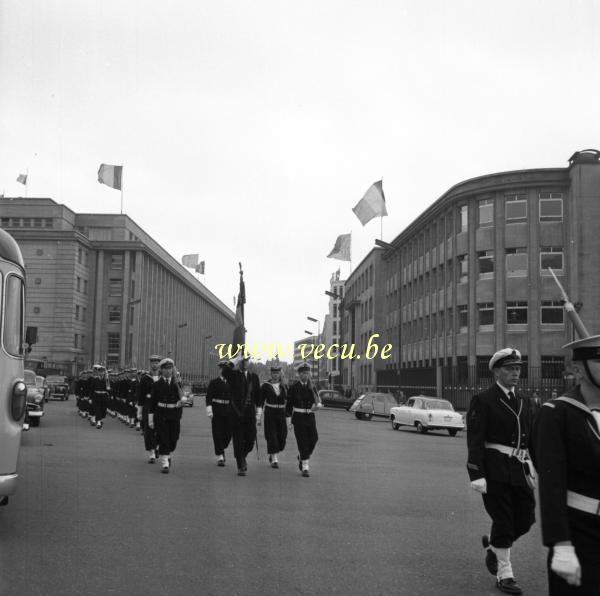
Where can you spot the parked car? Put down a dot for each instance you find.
(188, 396)
(43, 385)
(373, 404)
(58, 386)
(35, 398)
(331, 398)
(427, 413)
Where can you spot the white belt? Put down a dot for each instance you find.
(583, 503)
(520, 454)
(268, 405)
(303, 411)
(220, 401)
(162, 404)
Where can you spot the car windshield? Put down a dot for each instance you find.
(39, 381)
(55, 379)
(438, 404)
(29, 377)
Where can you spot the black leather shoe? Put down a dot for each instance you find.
(221, 463)
(305, 473)
(165, 470)
(491, 560)
(508, 585)
(241, 472)
(274, 464)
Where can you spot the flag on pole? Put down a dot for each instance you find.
(239, 333)
(22, 178)
(110, 175)
(200, 268)
(189, 260)
(341, 250)
(372, 204)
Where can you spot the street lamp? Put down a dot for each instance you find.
(313, 320)
(180, 326)
(204, 356)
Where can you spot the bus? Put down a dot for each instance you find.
(13, 392)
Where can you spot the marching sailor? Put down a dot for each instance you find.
(272, 398)
(498, 435)
(144, 396)
(567, 455)
(218, 400)
(99, 391)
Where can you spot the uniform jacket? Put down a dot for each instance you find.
(303, 397)
(244, 389)
(218, 389)
(267, 395)
(98, 384)
(144, 390)
(163, 392)
(566, 452)
(491, 418)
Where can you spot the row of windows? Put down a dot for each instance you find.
(81, 285)
(26, 222)
(115, 288)
(80, 313)
(79, 341)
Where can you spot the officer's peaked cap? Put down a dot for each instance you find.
(223, 362)
(505, 357)
(275, 368)
(155, 357)
(166, 362)
(302, 367)
(587, 348)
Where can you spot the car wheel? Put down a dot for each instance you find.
(358, 415)
(395, 425)
(367, 416)
(452, 432)
(420, 428)
(34, 422)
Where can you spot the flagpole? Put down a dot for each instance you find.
(122, 168)
(26, 183)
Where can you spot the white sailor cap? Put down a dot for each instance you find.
(98, 367)
(304, 366)
(587, 348)
(166, 362)
(505, 357)
(155, 357)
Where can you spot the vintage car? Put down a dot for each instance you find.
(331, 398)
(35, 398)
(43, 386)
(427, 413)
(373, 404)
(58, 386)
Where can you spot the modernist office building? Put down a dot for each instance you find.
(99, 289)
(471, 274)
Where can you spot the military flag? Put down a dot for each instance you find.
(372, 204)
(341, 250)
(190, 260)
(111, 176)
(22, 178)
(239, 332)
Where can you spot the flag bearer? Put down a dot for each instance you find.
(272, 398)
(302, 402)
(144, 396)
(218, 405)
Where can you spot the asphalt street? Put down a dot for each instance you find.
(383, 512)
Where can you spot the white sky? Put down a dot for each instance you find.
(249, 130)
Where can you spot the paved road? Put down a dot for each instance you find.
(384, 512)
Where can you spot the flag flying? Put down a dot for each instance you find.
(341, 250)
(22, 178)
(189, 261)
(110, 175)
(200, 268)
(239, 333)
(372, 204)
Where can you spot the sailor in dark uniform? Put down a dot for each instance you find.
(165, 412)
(498, 436)
(143, 400)
(273, 394)
(567, 456)
(100, 392)
(218, 403)
(302, 402)
(245, 393)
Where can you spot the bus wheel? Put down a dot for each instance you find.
(3, 501)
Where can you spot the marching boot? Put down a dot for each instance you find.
(151, 456)
(164, 460)
(274, 461)
(221, 461)
(305, 468)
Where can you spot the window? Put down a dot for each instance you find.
(551, 257)
(37, 222)
(463, 218)
(463, 318)
(486, 315)
(84, 314)
(76, 341)
(115, 287)
(551, 206)
(79, 255)
(485, 260)
(335, 308)
(39, 252)
(85, 286)
(463, 269)
(13, 315)
(516, 262)
(516, 207)
(450, 320)
(77, 312)
(78, 284)
(552, 312)
(516, 313)
(132, 289)
(116, 261)
(114, 314)
(114, 343)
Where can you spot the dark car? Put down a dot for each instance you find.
(331, 398)
(373, 404)
(35, 398)
(59, 387)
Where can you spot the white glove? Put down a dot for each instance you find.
(316, 406)
(289, 422)
(139, 412)
(150, 420)
(566, 564)
(479, 485)
(209, 412)
(259, 412)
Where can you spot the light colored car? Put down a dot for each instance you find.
(187, 397)
(42, 385)
(35, 398)
(427, 413)
(373, 404)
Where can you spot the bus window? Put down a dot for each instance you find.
(13, 316)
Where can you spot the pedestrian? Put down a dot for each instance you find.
(535, 403)
(218, 405)
(100, 391)
(165, 413)
(567, 456)
(498, 436)
(302, 402)
(144, 403)
(244, 387)
(273, 396)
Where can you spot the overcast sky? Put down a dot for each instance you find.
(249, 130)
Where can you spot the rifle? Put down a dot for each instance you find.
(571, 310)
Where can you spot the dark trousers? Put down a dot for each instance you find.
(167, 431)
(150, 441)
(243, 433)
(512, 509)
(275, 429)
(99, 405)
(306, 437)
(221, 433)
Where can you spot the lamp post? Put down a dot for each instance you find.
(313, 320)
(203, 356)
(180, 326)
